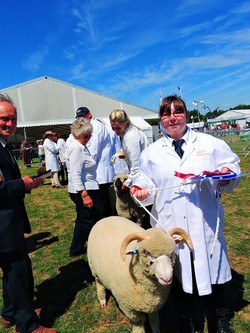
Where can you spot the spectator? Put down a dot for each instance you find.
(17, 279)
(196, 208)
(82, 186)
(40, 152)
(26, 151)
(63, 173)
(51, 158)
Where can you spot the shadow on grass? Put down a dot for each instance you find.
(56, 295)
(40, 240)
(234, 292)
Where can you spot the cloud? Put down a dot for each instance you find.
(242, 9)
(85, 25)
(79, 72)
(34, 61)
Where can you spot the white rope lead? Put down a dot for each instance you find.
(141, 205)
(217, 221)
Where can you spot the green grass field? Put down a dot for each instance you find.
(65, 288)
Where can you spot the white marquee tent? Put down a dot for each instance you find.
(240, 117)
(49, 104)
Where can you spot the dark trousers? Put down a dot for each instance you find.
(85, 220)
(27, 157)
(63, 174)
(192, 309)
(106, 200)
(18, 290)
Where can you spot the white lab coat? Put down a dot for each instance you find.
(133, 142)
(191, 207)
(100, 147)
(51, 155)
(81, 167)
(61, 145)
(120, 165)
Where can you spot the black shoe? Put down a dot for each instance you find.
(185, 325)
(224, 326)
(223, 316)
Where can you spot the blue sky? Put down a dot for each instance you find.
(132, 49)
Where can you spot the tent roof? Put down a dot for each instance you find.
(47, 101)
(49, 104)
(231, 115)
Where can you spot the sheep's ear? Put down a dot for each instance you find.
(178, 239)
(179, 235)
(139, 236)
(134, 251)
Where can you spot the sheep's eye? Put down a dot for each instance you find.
(150, 263)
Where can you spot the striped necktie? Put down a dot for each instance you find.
(177, 147)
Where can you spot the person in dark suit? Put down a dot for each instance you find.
(17, 278)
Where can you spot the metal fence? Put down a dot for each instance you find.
(239, 141)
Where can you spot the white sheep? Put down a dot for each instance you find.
(135, 264)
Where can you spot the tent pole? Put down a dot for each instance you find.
(24, 133)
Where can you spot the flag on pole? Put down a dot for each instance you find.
(179, 92)
(160, 97)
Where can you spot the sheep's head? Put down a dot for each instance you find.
(118, 181)
(155, 251)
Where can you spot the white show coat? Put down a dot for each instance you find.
(61, 145)
(119, 164)
(100, 147)
(191, 207)
(81, 167)
(51, 155)
(133, 142)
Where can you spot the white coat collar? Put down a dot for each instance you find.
(190, 137)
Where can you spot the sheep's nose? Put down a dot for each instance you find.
(165, 281)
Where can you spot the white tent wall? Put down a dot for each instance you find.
(197, 125)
